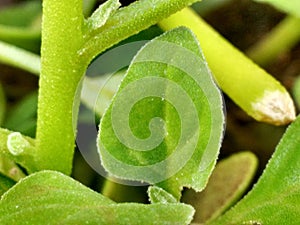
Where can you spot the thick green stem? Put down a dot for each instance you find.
(129, 21)
(60, 76)
(281, 39)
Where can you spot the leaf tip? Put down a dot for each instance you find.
(275, 107)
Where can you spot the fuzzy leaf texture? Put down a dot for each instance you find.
(165, 124)
(159, 195)
(49, 197)
(275, 198)
(291, 7)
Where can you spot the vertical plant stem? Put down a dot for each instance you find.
(60, 75)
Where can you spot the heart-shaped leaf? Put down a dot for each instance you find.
(165, 124)
(50, 197)
(275, 198)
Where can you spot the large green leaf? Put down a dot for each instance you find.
(50, 197)
(275, 199)
(290, 7)
(164, 125)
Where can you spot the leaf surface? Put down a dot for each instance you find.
(164, 125)
(275, 198)
(50, 197)
(159, 195)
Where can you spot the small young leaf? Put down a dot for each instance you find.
(101, 15)
(275, 198)
(228, 182)
(57, 199)
(165, 124)
(290, 7)
(159, 195)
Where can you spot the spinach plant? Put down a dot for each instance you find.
(162, 128)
